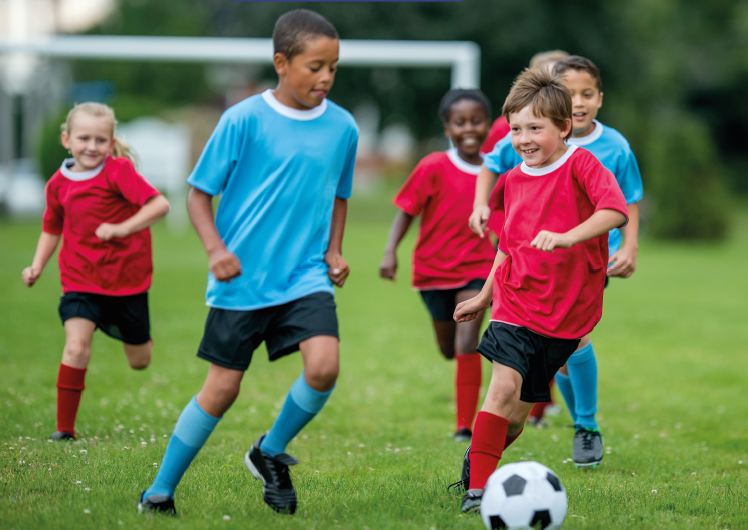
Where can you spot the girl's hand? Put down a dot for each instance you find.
(623, 263)
(388, 267)
(224, 265)
(107, 231)
(549, 241)
(469, 309)
(337, 268)
(30, 275)
(478, 221)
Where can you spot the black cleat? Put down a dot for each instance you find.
(471, 501)
(464, 483)
(277, 490)
(588, 448)
(156, 503)
(61, 435)
(463, 435)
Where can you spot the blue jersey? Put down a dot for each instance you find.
(609, 147)
(278, 171)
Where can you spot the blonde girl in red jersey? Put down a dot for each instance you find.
(101, 208)
(450, 262)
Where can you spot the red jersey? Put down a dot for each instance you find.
(448, 254)
(557, 294)
(498, 132)
(77, 203)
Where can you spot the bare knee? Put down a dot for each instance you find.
(138, 357)
(322, 377)
(141, 363)
(447, 350)
(502, 395)
(77, 352)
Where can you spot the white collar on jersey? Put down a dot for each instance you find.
(294, 114)
(596, 133)
(460, 164)
(79, 175)
(536, 172)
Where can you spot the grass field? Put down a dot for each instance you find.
(671, 349)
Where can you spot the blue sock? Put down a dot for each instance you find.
(583, 374)
(190, 433)
(564, 385)
(302, 404)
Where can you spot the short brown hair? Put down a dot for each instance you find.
(296, 27)
(580, 64)
(544, 93)
(545, 58)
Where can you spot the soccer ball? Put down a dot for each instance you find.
(525, 495)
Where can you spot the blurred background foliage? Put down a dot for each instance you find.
(674, 76)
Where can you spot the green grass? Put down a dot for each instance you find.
(672, 356)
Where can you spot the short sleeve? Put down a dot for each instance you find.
(131, 184)
(345, 185)
(218, 158)
(418, 189)
(54, 214)
(499, 130)
(629, 178)
(503, 157)
(600, 185)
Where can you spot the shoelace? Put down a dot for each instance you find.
(280, 474)
(587, 444)
(458, 487)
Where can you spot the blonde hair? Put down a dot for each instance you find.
(122, 147)
(546, 59)
(544, 93)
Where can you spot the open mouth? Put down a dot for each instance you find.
(579, 116)
(469, 142)
(529, 152)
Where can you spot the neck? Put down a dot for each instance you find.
(283, 95)
(583, 132)
(474, 159)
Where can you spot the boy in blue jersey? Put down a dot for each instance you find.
(577, 380)
(282, 162)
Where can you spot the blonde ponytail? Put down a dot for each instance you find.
(122, 147)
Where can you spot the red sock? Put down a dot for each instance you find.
(510, 438)
(69, 387)
(467, 388)
(489, 437)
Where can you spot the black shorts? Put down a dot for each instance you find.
(441, 302)
(535, 357)
(123, 318)
(231, 337)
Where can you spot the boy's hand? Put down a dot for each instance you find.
(479, 220)
(337, 268)
(388, 267)
(30, 275)
(107, 231)
(224, 265)
(549, 241)
(623, 263)
(469, 309)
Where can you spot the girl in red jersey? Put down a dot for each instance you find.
(102, 208)
(450, 262)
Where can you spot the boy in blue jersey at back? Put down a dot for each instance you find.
(577, 379)
(282, 162)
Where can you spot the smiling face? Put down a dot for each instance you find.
(586, 99)
(90, 140)
(306, 79)
(467, 127)
(537, 140)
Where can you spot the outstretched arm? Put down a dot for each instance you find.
(624, 261)
(153, 210)
(469, 309)
(337, 267)
(400, 226)
(600, 222)
(44, 250)
(223, 264)
(481, 212)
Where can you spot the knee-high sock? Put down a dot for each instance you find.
(190, 433)
(302, 404)
(70, 386)
(583, 374)
(487, 446)
(564, 385)
(467, 388)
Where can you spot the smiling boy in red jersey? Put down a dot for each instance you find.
(548, 277)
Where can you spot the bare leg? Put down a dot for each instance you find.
(220, 390)
(321, 355)
(138, 356)
(445, 337)
(468, 333)
(78, 335)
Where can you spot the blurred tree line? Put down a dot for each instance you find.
(674, 76)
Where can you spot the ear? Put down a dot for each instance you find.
(600, 101)
(65, 139)
(280, 62)
(565, 131)
(446, 132)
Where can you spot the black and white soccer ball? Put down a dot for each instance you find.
(522, 496)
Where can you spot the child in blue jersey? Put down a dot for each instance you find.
(282, 162)
(577, 380)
